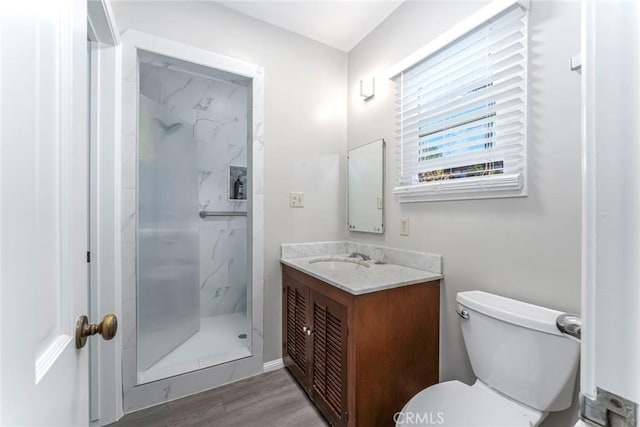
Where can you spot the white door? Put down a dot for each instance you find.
(610, 377)
(43, 211)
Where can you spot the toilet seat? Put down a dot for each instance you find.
(455, 404)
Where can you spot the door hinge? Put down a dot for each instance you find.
(608, 410)
(88, 256)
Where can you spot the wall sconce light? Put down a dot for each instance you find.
(367, 87)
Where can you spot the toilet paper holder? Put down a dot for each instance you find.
(570, 324)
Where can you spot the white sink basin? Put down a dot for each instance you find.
(339, 264)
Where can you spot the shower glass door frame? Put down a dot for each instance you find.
(136, 393)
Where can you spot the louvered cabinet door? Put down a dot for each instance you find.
(329, 358)
(297, 341)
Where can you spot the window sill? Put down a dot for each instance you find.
(485, 187)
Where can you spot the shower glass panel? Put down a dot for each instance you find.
(193, 235)
(168, 246)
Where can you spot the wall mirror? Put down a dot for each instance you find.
(366, 188)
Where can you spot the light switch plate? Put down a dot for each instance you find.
(296, 199)
(404, 226)
(379, 202)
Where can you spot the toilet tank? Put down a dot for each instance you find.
(516, 348)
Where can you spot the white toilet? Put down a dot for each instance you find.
(525, 368)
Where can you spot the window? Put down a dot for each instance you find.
(461, 110)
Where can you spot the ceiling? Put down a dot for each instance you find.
(340, 24)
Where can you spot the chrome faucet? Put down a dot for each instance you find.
(358, 254)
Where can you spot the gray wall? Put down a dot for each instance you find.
(305, 123)
(526, 248)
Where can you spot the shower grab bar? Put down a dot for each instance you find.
(204, 214)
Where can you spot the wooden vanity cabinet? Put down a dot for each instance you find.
(360, 358)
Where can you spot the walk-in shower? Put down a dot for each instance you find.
(192, 218)
(192, 231)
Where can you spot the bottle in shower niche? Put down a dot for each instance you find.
(238, 189)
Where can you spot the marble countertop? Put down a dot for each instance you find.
(361, 279)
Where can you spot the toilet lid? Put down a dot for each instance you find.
(455, 404)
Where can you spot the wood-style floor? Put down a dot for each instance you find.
(271, 399)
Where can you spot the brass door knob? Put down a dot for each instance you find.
(107, 328)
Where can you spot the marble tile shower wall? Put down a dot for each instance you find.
(217, 112)
(138, 49)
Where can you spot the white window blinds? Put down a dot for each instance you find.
(462, 115)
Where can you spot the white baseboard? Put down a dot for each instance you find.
(273, 365)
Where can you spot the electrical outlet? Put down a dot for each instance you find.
(404, 226)
(296, 199)
(379, 202)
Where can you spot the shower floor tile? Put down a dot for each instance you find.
(216, 342)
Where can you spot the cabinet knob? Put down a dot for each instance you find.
(304, 329)
(308, 331)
